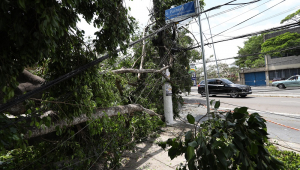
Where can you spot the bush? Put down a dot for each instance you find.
(235, 140)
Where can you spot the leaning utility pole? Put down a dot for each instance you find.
(198, 10)
(167, 88)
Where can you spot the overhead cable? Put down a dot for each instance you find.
(248, 18)
(287, 26)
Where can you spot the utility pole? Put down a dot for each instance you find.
(198, 10)
(213, 46)
(167, 88)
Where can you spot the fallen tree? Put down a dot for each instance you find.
(99, 113)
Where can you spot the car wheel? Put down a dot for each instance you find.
(201, 92)
(234, 94)
(243, 95)
(281, 86)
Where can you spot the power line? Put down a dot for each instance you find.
(254, 33)
(238, 15)
(283, 12)
(249, 18)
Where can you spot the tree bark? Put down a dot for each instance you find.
(111, 111)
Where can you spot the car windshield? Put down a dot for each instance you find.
(292, 78)
(227, 81)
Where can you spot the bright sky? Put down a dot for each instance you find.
(267, 19)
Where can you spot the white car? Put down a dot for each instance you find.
(293, 81)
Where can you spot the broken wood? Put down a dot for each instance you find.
(111, 111)
(130, 70)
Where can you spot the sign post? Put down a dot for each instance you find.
(203, 57)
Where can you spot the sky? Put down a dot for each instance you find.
(269, 14)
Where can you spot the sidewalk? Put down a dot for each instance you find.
(149, 156)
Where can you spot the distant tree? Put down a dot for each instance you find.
(251, 46)
(281, 42)
(294, 17)
(225, 70)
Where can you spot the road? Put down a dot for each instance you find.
(282, 113)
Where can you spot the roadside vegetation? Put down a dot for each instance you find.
(290, 159)
(229, 140)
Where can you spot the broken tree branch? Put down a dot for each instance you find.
(111, 111)
(130, 70)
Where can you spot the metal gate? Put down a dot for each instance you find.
(255, 79)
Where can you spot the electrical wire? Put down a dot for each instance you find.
(283, 12)
(287, 26)
(249, 18)
(237, 15)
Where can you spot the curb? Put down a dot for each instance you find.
(288, 96)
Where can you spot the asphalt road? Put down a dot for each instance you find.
(282, 113)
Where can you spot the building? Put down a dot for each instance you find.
(275, 67)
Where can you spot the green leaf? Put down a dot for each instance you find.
(172, 153)
(216, 144)
(211, 102)
(242, 110)
(15, 137)
(22, 4)
(29, 133)
(221, 157)
(37, 123)
(188, 135)
(254, 149)
(189, 153)
(217, 104)
(191, 164)
(240, 134)
(190, 119)
(193, 144)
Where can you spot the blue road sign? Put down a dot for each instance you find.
(180, 12)
(193, 78)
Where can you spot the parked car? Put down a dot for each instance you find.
(224, 86)
(290, 82)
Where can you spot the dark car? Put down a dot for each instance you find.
(224, 86)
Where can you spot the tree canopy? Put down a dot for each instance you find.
(292, 17)
(40, 43)
(281, 42)
(251, 46)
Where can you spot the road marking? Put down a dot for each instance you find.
(255, 111)
(290, 101)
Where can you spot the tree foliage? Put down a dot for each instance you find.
(235, 141)
(225, 70)
(251, 46)
(42, 37)
(281, 42)
(292, 17)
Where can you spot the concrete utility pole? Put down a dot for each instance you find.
(203, 57)
(167, 88)
(168, 105)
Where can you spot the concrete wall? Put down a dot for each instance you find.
(274, 34)
(283, 62)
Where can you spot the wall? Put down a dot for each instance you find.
(271, 35)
